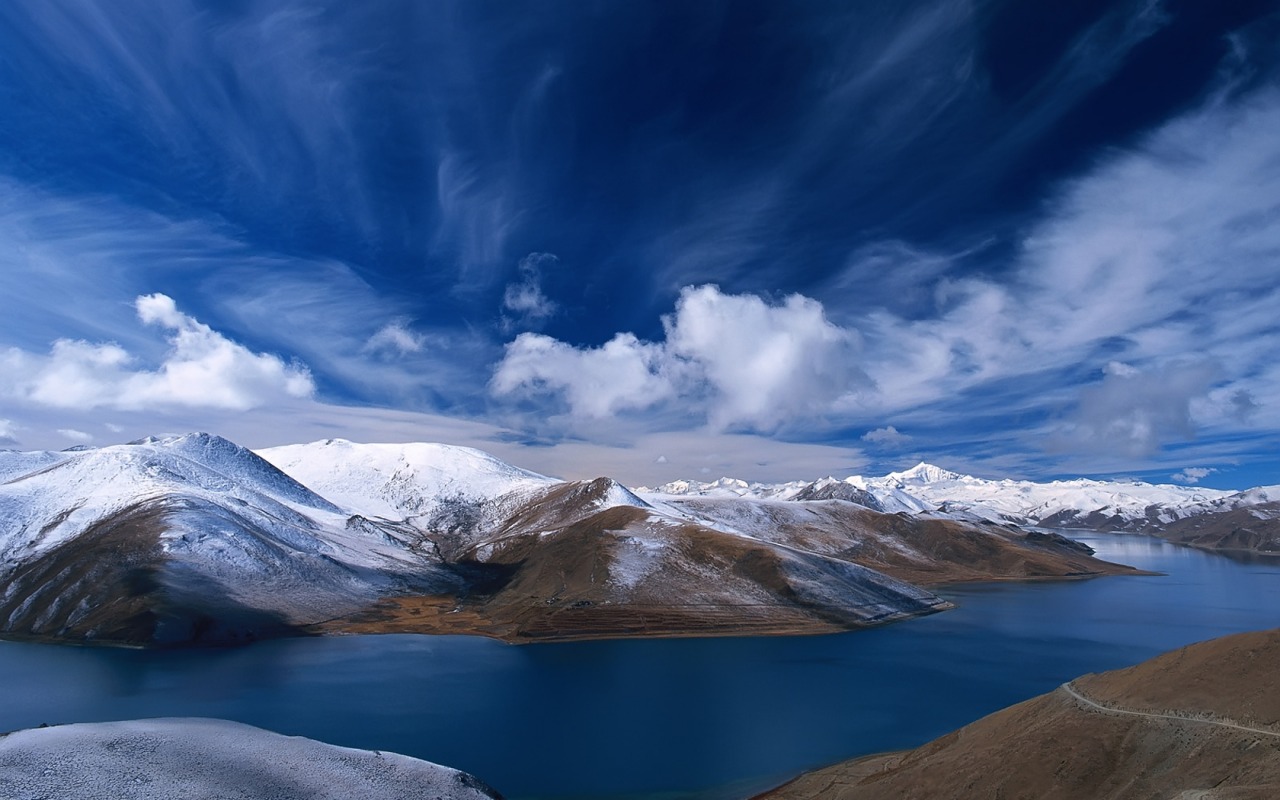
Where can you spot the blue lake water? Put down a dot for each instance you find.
(697, 718)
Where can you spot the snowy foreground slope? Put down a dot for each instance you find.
(194, 539)
(209, 759)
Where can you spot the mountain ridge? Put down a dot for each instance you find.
(194, 539)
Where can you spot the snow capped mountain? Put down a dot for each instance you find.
(926, 488)
(166, 539)
(922, 474)
(727, 487)
(196, 539)
(399, 481)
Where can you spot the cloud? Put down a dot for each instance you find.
(75, 435)
(524, 298)
(622, 374)
(740, 360)
(886, 437)
(7, 431)
(202, 369)
(395, 338)
(1193, 474)
(1134, 412)
(765, 364)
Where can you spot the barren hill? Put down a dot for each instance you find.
(1199, 722)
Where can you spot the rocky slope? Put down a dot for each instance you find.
(1245, 529)
(1202, 721)
(208, 759)
(926, 550)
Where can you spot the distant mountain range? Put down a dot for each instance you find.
(194, 539)
(1211, 518)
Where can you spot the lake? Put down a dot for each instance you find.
(700, 718)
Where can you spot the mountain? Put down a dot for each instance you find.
(1202, 721)
(1135, 506)
(1251, 528)
(210, 758)
(194, 539)
(585, 559)
(188, 539)
(401, 481)
(921, 549)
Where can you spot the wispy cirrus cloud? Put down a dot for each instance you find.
(1126, 268)
(523, 302)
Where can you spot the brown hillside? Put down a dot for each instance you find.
(1058, 747)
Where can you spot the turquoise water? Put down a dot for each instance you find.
(697, 718)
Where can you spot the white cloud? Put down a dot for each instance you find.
(395, 338)
(203, 369)
(524, 298)
(623, 374)
(740, 360)
(765, 364)
(114, 428)
(887, 436)
(7, 431)
(1193, 474)
(75, 435)
(1158, 264)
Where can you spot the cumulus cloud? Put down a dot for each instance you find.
(203, 369)
(395, 338)
(1193, 474)
(887, 436)
(764, 363)
(523, 300)
(622, 374)
(75, 435)
(742, 361)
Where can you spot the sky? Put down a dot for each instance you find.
(652, 240)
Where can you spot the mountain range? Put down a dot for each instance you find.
(194, 539)
(1211, 518)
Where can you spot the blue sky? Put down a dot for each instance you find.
(653, 240)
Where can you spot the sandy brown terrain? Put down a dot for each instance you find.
(1197, 723)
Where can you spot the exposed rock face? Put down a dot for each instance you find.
(839, 490)
(1199, 722)
(1254, 529)
(209, 759)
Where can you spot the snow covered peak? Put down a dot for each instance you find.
(924, 473)
(395, 481)
(727, 487)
